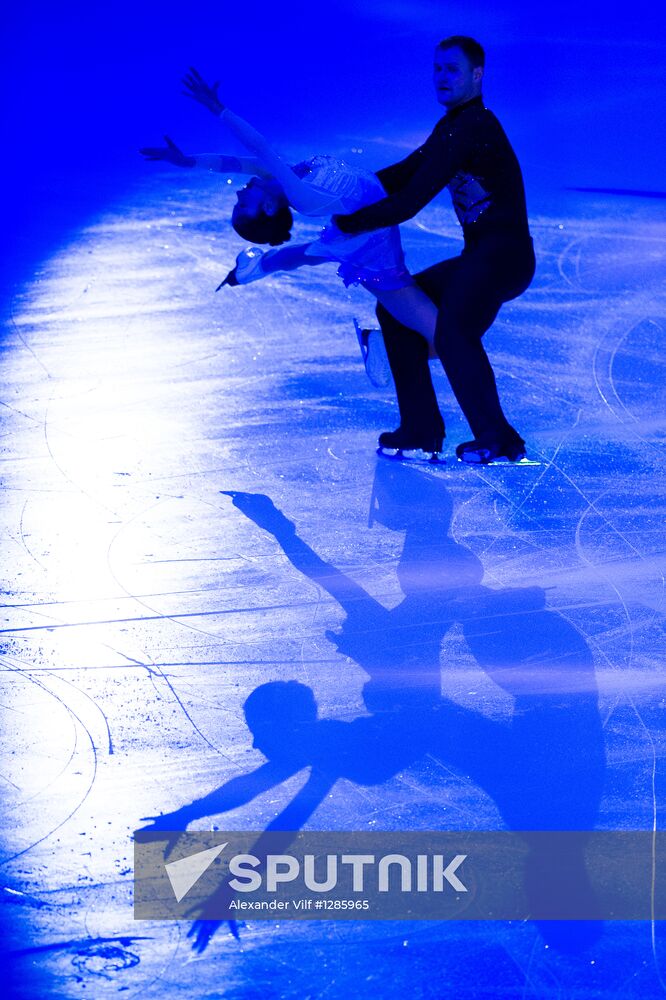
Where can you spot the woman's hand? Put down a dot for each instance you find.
(170, 153)
(200, 91)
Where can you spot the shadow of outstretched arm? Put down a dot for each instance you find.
(261, 509)
(231, 795)
(276, 838)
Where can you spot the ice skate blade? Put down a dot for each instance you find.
(374, 356)
(414, 455)
(498, 461)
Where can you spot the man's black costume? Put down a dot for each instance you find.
(469, 153)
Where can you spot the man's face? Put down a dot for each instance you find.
(454, 78)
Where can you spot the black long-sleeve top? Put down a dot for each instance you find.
(469, 153)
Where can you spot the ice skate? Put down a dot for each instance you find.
(407, 446)
(248, 268)
(489, 450)
(373, 352)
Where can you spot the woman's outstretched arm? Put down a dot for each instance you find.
(302, 196)
(216, 162)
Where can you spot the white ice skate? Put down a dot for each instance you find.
(373, 352)
(248, 268)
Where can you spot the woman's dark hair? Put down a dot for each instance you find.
(471, 48)
(263, 228)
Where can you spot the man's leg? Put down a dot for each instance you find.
(485, 279)
(420, 417)
(460, 327)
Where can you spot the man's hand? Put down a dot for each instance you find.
(170, 153)
(200, 91)
(345, 223)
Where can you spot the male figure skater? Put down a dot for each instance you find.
(469, 153)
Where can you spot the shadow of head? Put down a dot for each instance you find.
(281, 715)
(432, 562)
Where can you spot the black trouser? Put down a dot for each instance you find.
(469, 291)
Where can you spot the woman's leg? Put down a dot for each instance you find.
(420, 416)
(411, 307)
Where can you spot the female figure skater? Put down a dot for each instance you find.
(321, 186)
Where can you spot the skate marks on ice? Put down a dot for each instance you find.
(598, 311)
(438, 459)
(152, 607)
